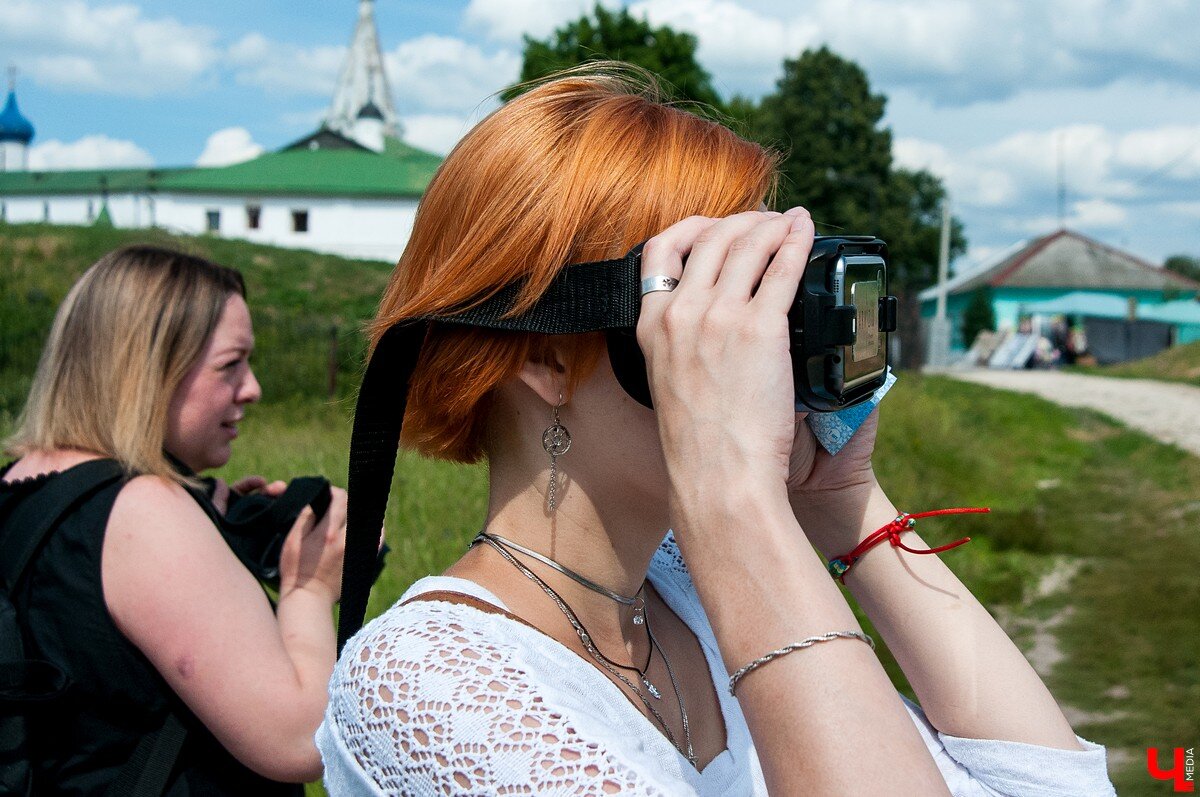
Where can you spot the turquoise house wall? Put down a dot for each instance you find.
(1007, 303)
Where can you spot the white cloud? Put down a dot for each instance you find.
(113, 48)
(428, 74)
(89, 152)
(948, 50)
(441, 73)
(1144, 165)
(284, 67)
(1089, 214)
(508, 20)
(437, 133)
(228, 146)
(1188, 210)
(964, 178)
(1165, 153)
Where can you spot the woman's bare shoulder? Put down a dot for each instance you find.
(152, 505)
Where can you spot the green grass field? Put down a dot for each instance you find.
(1065, 486)
(1068, 488)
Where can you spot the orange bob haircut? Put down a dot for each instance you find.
(579, 168)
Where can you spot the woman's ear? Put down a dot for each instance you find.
(545, 373)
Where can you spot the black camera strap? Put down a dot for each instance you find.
(598, 296)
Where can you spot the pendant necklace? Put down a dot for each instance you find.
(608, 664)
(655, 692)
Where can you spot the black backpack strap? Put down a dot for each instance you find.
(36, 516)
(147, 771)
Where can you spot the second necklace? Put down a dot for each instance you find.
(608, 664)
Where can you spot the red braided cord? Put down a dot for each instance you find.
(840, 565)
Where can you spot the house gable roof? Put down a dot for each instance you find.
(1067, 260)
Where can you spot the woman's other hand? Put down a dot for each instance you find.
(830, 494)
(312, 554)
(248, 485)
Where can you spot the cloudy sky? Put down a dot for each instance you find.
(986, 95)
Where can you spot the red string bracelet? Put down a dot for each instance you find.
(839, 566)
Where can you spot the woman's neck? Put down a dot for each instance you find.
(612, 549)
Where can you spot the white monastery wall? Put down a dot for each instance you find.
(126, 210)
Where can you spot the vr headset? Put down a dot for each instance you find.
(839, 324)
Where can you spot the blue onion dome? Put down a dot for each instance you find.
(14, 126)
(370, 111)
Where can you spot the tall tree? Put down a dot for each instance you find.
(979, 315)
(838, 163)
(1184, 265)
(620, 36)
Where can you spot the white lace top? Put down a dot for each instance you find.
(438, 698)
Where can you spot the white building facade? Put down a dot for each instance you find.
(350, 188)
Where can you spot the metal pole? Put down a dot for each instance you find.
(938, 352)
(943, 261)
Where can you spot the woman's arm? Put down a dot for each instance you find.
(970, 678)
(825, 720)
(256, 679)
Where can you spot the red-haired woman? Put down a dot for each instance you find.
(573, 650)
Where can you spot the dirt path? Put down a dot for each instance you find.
(1167, 412)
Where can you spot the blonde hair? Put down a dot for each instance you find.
(124, 338)
(579, 168)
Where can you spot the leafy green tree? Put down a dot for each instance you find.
(978, 315)
(838, 163)
(1184, 265)
(620, 36)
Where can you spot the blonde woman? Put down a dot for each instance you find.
(573, 650)
(160, 630)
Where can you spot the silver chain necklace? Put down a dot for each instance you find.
(636, 601)
(654, 691)
(604, 661)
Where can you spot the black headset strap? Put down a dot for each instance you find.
(585, 297)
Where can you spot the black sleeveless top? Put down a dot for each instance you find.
(116, 696)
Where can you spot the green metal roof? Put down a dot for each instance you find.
(401, 171)
(341, 173)
(81, 181)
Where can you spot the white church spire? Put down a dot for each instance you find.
(363, 80)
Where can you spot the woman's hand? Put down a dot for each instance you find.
(814, 471)
(717, 347)
(829, 494)
(312, 554)
(244, 486)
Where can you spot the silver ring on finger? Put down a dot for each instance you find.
(658, 282)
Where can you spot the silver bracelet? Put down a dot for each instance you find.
(783, 651)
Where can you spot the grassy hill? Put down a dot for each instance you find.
(1176, 364)
(1068, 488)
(297, 300)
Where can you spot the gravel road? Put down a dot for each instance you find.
(1166, 411)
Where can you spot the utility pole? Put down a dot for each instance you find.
(1062, 182)
(939, 326)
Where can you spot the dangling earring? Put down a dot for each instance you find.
(557, 441)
